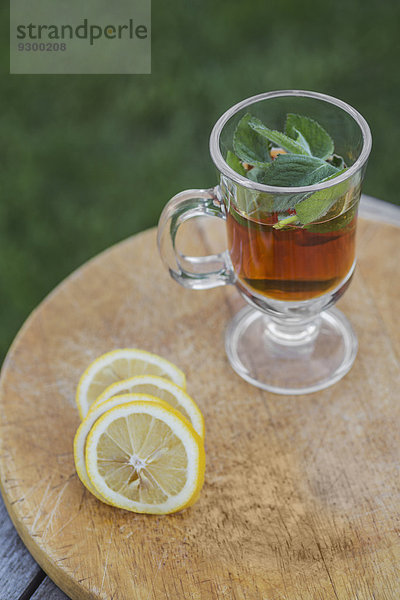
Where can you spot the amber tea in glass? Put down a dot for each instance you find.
(295, 263)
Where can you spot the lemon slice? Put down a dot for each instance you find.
(122, 364)
(85, 427)
(145, 458)
(160, 388)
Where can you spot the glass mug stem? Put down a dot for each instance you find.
(194, 272)
(293, 334)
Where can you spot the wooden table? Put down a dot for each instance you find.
(21, 578)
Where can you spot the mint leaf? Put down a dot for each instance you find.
(287, 202)
(290, 170)
(277, 138)
(234, 163)
(251, 202)
(277, 203)
(280, 203)
(318, 205)
(249, 145)
(320, 142)
(312, 209)
(341, 221)
(300, 139)
(255, 174)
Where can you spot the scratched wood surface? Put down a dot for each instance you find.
(301, 498)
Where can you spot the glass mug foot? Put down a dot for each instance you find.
(289, 340)
(308, 361)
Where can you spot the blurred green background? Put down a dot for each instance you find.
(90, 160)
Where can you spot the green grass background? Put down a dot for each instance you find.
(90, 160)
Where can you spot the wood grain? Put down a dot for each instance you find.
(301, 499)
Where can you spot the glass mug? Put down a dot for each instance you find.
(289, 339)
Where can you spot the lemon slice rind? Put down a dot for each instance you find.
(169, 370)
(183, 400)
(180, 427)
(85, 427)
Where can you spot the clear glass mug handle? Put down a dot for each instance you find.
(195, 272)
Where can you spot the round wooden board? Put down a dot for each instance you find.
(301, 498)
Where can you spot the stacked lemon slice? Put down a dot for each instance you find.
(140, 445)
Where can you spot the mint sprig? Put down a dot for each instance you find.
(309, 158)
(319, 141)
(235, 164)
(278, 138)
(300, 139)
(249, 145)
(317, 205)
(292, 170)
